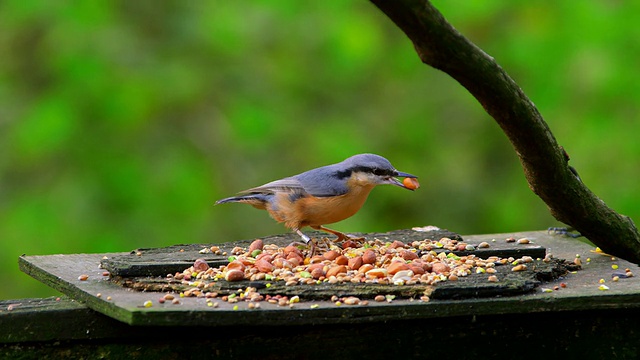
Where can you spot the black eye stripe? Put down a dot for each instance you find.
(376, 171)
(365, 169)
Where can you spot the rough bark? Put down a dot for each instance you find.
(545, 163)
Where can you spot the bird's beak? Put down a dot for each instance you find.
(403, 174)
(394, 181)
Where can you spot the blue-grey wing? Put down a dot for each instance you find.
(286, 184)
(319, 182)
(322, 182)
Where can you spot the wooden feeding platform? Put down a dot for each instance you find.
(117, 306)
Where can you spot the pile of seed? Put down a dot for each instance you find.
(373, 261)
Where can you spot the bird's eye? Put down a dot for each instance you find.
(379, 172)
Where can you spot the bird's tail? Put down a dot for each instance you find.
(229, 199)
(257, 200)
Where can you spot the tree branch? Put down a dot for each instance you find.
(545, 163)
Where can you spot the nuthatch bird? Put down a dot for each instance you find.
(324, 195)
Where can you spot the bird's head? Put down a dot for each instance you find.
(371, 170)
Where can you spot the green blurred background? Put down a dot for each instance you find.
(122, 122)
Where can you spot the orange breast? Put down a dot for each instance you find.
(314, 211)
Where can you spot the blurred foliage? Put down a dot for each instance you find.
(122, 122)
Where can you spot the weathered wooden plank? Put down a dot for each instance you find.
(61, 272)
(54, 319)
(582, 293)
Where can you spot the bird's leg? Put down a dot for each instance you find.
(341, 236)
(307, 240)
(326, 243)
(304, 237)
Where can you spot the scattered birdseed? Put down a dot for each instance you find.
(520, 267)
(425, 228)
(425, 262)
(351, 300)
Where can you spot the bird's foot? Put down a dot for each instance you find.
(316, 246)
(563, 231)
(324, 244)
(310, 246)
